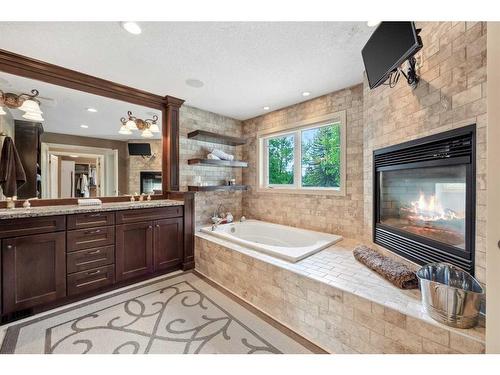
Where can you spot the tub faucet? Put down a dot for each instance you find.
(216, 224)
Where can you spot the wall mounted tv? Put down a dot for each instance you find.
(391, 44)
(139, 149)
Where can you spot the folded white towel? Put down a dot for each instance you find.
(89, 202)
(222, 155)
(212, 157)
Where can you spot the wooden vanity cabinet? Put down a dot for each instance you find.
(47, 261)
(168, 243)
(134, 250)
(33, 270)
(145, 247)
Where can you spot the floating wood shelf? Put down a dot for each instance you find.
(202, 135)
(219, 163)
(218, 187)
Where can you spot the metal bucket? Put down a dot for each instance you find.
(450, 295)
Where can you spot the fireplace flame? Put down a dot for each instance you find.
(430, 209)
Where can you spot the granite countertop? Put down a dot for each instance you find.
(17, 213)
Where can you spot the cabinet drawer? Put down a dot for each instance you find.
(147, 214)
(86, 281)
(87, 259)
(33, 225)
(89, 238)
(91, 220)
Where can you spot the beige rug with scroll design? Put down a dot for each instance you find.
(179, 314)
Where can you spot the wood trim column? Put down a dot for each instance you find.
(171, 133)
(189, 228)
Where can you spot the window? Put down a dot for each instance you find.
(308, 158)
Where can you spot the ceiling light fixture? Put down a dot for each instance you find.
(147, 127)
(372, 23)
(73, 156)
(84, 126)
(131, 27)
(93, 110)
(24, 102)
(193, 82)
(306, 93)
(266, 108)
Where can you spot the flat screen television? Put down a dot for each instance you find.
(389, 46)
(139, 149)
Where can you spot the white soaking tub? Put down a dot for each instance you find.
(281, 241)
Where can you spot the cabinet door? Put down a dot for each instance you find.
(34, 270)
(168, 243)
(134, 250)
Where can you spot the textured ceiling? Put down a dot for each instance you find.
(244, 65)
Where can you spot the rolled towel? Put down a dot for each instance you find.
(222, 155)
(212, 157)
(397, 273)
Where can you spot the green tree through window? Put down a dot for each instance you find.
(321, 157)
(280, 156)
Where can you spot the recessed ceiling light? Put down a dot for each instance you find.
(266, 108)
(306, 93)
(93, 110)
(372, 23)
(84, 126)
(193, 82)
(131, 27)
(73, 156)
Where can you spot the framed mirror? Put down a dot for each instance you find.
(79, 136)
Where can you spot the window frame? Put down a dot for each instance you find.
(296, 129)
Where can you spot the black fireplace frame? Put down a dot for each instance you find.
(454, 147)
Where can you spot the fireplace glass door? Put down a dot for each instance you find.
(429, 202)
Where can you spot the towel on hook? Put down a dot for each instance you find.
(12, 175)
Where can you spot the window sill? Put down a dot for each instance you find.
(339, 192)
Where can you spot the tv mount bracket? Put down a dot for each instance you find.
(411, 75)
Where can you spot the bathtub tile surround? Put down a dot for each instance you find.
(341, 215)
(332, 300)
(206, 202)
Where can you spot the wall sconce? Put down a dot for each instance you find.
(24, 102)
(147, 126)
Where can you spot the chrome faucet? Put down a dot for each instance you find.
(216, 218)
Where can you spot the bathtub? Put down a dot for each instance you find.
(288, 243)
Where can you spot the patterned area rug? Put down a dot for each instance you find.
(181, 314)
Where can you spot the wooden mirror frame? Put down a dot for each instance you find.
(169, 106)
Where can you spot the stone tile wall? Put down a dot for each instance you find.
(327, 213)
(206, 202)
(337, 320)
(450, 94)
(138, 164)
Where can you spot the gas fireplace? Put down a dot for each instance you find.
(424, 198)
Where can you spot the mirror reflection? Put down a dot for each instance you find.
(62, 143)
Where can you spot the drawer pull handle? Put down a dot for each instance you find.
(157, 225)
(9, 247)
(93, 272)
(94, 252)
(93, 231)
(150, 227)
(95, 215)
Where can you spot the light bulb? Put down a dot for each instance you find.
(146, 133)
(154, 128)
(131, 125)
(124, 130)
